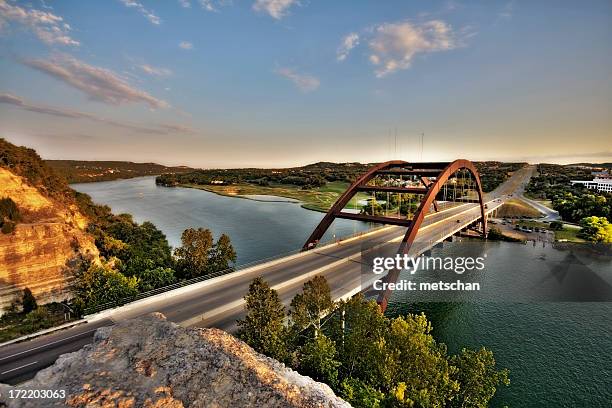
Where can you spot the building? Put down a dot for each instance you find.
(600, 184)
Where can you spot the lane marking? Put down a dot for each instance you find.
(18, 368)
(47, 344)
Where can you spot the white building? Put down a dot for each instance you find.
(599, 184)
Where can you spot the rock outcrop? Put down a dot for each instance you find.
(35, 254)
(149, 362)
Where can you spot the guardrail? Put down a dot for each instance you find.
(183, 283)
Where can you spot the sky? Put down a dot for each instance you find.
(274, 83)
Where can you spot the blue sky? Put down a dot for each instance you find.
(223, 83)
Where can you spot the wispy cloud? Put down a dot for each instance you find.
(507, 11)
(47, 26)
(275, 8)
(99, 84)
(305, 82)
(161, 129)
(186, 45)
(349, 42)
(393, 46)
(155, 71)
(185, 3)
(149, 15)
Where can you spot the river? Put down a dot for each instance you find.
(559, 353)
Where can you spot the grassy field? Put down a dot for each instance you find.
(517, 208)
(318, 199)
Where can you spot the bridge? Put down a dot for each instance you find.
(447, 200)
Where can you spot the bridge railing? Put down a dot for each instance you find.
(180, 284)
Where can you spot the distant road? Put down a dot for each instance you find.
(219, 302)
(549, 214)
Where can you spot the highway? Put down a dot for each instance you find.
(219, 302)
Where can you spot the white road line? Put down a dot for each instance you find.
(46, 344)
(17, 368)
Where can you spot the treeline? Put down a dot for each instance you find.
(311, 176)
(493, 173)
(574, 202)
(137, 257)
(368, 359)
(81, 171)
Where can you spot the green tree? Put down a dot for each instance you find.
(193, 256)
(308, 307)
(263, 328)
(478, 378)
(97, 284)
(223, 255)
(418, 367)
(361, 395)
(318, 360)
(596, 229)
(28, 301)
(358, 330)
(155, 278)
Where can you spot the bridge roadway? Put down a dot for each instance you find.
(218, 302)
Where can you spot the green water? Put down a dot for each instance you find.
(559, 353)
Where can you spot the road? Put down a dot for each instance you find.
(219, 302)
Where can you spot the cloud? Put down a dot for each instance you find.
(507, 11)
(48, 27)
(349, 42)
(161, 129)
(185, 3)
(186, 45)
(305, 82)
(149, 15)
(275, 8)
(393, 46)
(99, 84)
(155, 71)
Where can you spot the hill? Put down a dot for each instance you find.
(80, 171)
(49, 228)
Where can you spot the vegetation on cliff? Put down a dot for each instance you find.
(367, 358)
(9, 215)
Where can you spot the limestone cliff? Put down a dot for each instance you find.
(149, 362)
(35, 254)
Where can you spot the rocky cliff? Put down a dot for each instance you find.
(149, 362)
(35, 254)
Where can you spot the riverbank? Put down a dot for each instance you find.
(319, 199)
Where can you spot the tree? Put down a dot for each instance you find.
(318, 359)
(308, 307)
(419, 370)
(361, 395)
(28, 302)
(262, 327)
(478, 378)
(222, 255)
(596, 229)
(97, 284)
(193, 255)
(358, 330)
(155, 278)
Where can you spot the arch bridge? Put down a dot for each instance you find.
(424, 187)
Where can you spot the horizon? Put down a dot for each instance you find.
(265, 83)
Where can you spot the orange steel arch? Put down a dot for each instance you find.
(442, 172)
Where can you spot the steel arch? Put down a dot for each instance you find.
(441, 171)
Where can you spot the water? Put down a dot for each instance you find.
(258, 229)
(559, 353)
